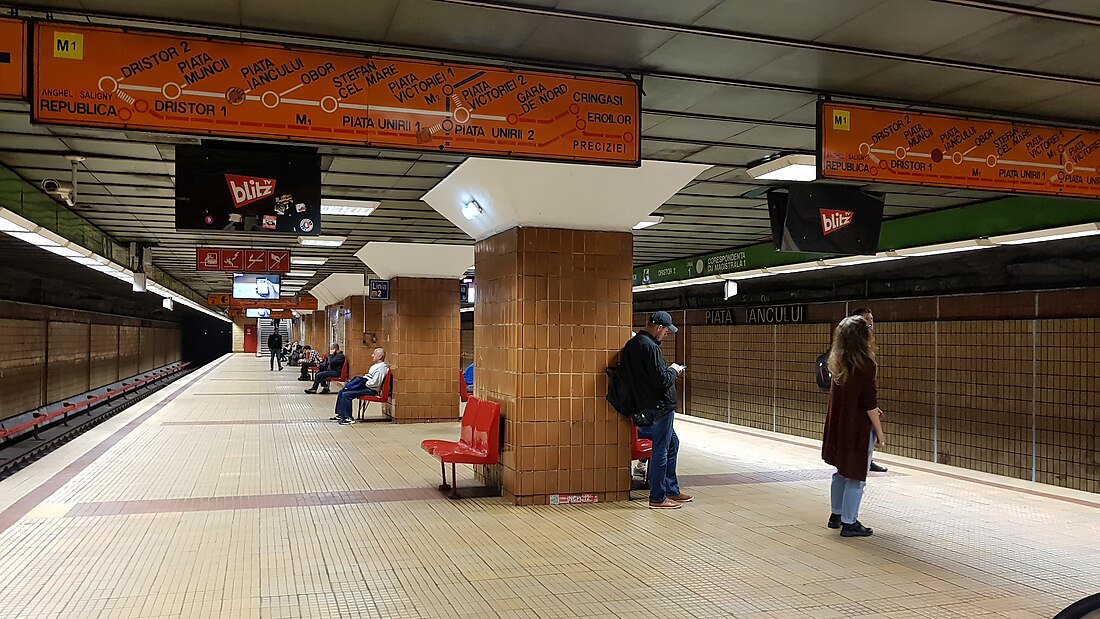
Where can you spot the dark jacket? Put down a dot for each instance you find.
(333, 363)
(847, 436)
(649, 377)
(275, 341)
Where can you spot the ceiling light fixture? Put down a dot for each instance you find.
(308, 261)
(946, 248)
(294, 282)
(322, 241)
(472, 209)
(801, 168)
(306, 274)
(350, 208)
(1050, 234)
(648, 221)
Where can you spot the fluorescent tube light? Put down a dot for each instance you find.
(946, 248)
(850, 261)
(308, 261)
(322, 241)
(300, 273)
(1049, 234)
(351, 208)
(754, 273)
(802, 168)
(291, 283)
(798, 268)
(648, 221)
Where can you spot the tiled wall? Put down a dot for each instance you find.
(420, 325)
(960, 392)
(363, 332)
(467, 347)
(549, 318)
(53, 354)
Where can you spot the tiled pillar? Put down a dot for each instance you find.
(363, 331)
(552, 307)
(420, 325)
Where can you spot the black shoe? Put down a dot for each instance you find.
(325, 392)
(855, 530)
(834, 521)
(877, 469)
(336, 418)
(310, 391)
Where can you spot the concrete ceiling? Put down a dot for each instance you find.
(726, 83)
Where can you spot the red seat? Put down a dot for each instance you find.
(463, 388)
(383, 396)
(482, 448)
(342, 378)
(466, 434)
(640, 448)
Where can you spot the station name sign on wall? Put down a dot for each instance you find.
(896, 146)
(106, 77)
(764, 315)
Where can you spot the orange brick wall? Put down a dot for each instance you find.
(54, 354)
(963, 392)
(420, 331)
(550, 316)
(363, 331)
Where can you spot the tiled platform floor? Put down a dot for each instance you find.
(232, 499)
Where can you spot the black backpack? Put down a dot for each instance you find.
(619, 393)
(822, 375)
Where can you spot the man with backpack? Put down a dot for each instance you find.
(652, 383)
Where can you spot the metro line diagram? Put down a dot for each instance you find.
(958, 157)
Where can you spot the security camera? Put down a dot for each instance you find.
(59, 189)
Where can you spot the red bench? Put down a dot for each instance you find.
(382, 398)
(479, 442)
(640, 449)
(342, 378)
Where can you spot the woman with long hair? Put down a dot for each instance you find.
(853, 425)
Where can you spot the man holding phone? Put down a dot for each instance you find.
(654, 385)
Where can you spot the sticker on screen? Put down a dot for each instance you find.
(255, 286)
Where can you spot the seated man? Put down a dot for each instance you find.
(309, 357)
(468, 376)
(331, 367)
(371, 385)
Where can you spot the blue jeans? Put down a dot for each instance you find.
(848, 493)
(345, 398)
(662, 466)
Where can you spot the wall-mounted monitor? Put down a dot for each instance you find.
(257, 312)
(255, 286)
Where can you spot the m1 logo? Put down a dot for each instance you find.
(831, 220)
(248, 189)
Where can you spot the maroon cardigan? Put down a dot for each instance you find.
(847, 426)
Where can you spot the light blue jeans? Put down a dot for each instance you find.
(847, 493)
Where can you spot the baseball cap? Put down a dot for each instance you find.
(663, 319)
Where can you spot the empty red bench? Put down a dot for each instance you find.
(382, 398)
(479, 441)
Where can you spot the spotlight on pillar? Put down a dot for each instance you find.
(140, 281)
(472, 209)
(731, 289)
(168, 304)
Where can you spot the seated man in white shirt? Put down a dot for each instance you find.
(374, 378)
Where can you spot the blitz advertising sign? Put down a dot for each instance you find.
(268, 190)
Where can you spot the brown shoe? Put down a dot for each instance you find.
(665, 504)
(682, 498)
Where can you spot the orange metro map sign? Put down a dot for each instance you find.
(106, 77)
(894, 146)
(13, 59)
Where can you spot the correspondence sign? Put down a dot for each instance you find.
(127, 79)
(895, 146)
(13, 59)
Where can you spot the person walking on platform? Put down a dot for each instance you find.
(275, 347)
(870, 318)
(331, 367)
(853, 423)
(369, 384)
(654, 385)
